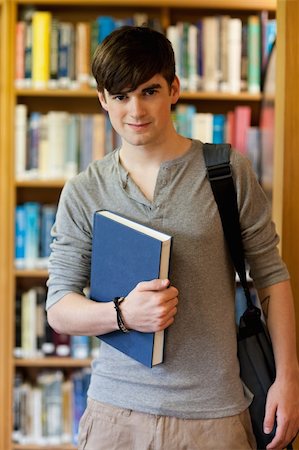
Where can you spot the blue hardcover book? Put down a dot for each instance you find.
(125, 253)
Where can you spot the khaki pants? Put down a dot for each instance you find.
(104, 427)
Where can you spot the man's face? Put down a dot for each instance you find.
(142, 117)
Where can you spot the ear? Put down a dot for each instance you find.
(175, 90)
(102, 98)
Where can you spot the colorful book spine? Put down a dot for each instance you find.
(20, 54)
(254, 54)
(20, 233)
(32, 217)
(41, 29)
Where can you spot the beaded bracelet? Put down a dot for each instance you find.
(121, 325)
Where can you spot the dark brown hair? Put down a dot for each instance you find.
(130, 56)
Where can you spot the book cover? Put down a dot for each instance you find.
(125, 253)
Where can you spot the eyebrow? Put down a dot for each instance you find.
(152, 86)
(127, 91)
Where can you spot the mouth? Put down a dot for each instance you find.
(138, 126)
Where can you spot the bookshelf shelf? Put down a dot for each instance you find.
(199, 95)
(40, 183)
(31, 273)
(253, 5)
(52, 362)
(43, 447)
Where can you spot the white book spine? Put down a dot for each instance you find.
(234, 54)
(20, 139)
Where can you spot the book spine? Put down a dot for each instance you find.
(53, 81)
(28, 55)
(33, 143)
(254, 54)
(83, 53)
(41, 28)
(20, 139)
(32, 213)
(234, 54)
(20, 54)
(48, 214)
(218, 128)
(20, 236)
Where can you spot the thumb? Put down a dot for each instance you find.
(153, 285)
(269, 419)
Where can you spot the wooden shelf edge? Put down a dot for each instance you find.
(40, 183)
(90, 93)
(250, 5)
(51, 362)
(42, 447)
(31, 273)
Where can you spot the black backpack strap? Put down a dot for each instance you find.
(219, 173)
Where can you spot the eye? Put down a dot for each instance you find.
(120, 97)
(150, 92)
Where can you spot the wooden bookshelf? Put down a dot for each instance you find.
(12, 190)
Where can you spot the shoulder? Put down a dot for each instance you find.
(96, 173)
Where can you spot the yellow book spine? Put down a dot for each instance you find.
(41, 24)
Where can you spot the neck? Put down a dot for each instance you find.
(152, 156)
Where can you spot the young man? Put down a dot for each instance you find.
(195, 398)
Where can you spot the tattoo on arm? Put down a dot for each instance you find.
(265, 306)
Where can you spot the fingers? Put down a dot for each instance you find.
(153, 285)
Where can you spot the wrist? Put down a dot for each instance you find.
(119, 317)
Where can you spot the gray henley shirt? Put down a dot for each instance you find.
(200, 375)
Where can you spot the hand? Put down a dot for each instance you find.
(283, 402)
(151, 306)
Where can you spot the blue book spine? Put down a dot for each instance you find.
(80, 379)
(106, 26)
(48, 214)
(32, 238)
(80, 347)
(20, 232)
(218, 128)
(33, 147)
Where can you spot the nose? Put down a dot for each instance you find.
(136, 107)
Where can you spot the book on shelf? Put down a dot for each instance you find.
(34, 338)
(33, 223)
(47, 409)
(41, 27)
(125, 253)
(254, 54)
(213, 53)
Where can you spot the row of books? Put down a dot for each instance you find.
(47, 412)
(255, 142)
(34, 338)
(221, 53)
(59, 144)
(57, 54)
(213, 53)
(33, 223)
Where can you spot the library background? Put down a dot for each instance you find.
(51, 127)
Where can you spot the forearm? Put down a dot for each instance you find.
(277, 303)
(74, 314)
